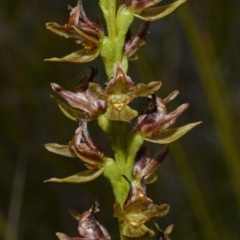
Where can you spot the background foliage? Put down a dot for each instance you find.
(195, 50)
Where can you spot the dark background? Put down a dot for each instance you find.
(195, 50)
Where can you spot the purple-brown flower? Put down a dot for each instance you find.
(88, 226)
(84, 30)
(119, 92)
(145, 10)
(153, 125)
(138, 208)
(86, 150)
(82, 104)
(145, 166)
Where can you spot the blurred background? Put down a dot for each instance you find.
(195, 50)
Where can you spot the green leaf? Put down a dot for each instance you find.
(155, 13)
(63, 150)
(81, 177)
(80, 56)
(71, 112)
(169, 135)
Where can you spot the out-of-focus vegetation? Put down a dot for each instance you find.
(195, 50)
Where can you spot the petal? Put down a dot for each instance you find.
(88, 37)
(63, 150)
(76, 100)
(90, 156)
(154, 13)
(61, 30)
(171, 96)
(169, 135)
(132, 45)
(169, 229)
(120, 83)
(81, 177)
(156, 211)
(154, 123)
(154, 163)
(143, 90)
(97, 91)
(126, 114)
(80, 56)
(70, 112)
(136, 232)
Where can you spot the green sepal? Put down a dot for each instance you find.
(143, 90)
(169, 135)
(81, 56)
(155, 13)
(62, 236)
(70, 112)
(63, 150)
(81, 177)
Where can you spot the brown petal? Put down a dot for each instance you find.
(61, 30)
(154, 163)
(161, 121)
(76, 100)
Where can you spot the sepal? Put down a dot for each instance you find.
(81, 177)
(167, 136)
(80, 56)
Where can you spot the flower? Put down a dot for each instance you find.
(120, 90)
(88, 226)
(145, 167)
(82, 104)
(136, 211)
(85, 149)
(84, 30)
(144, 9)
(153, 124)
(138, 208)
